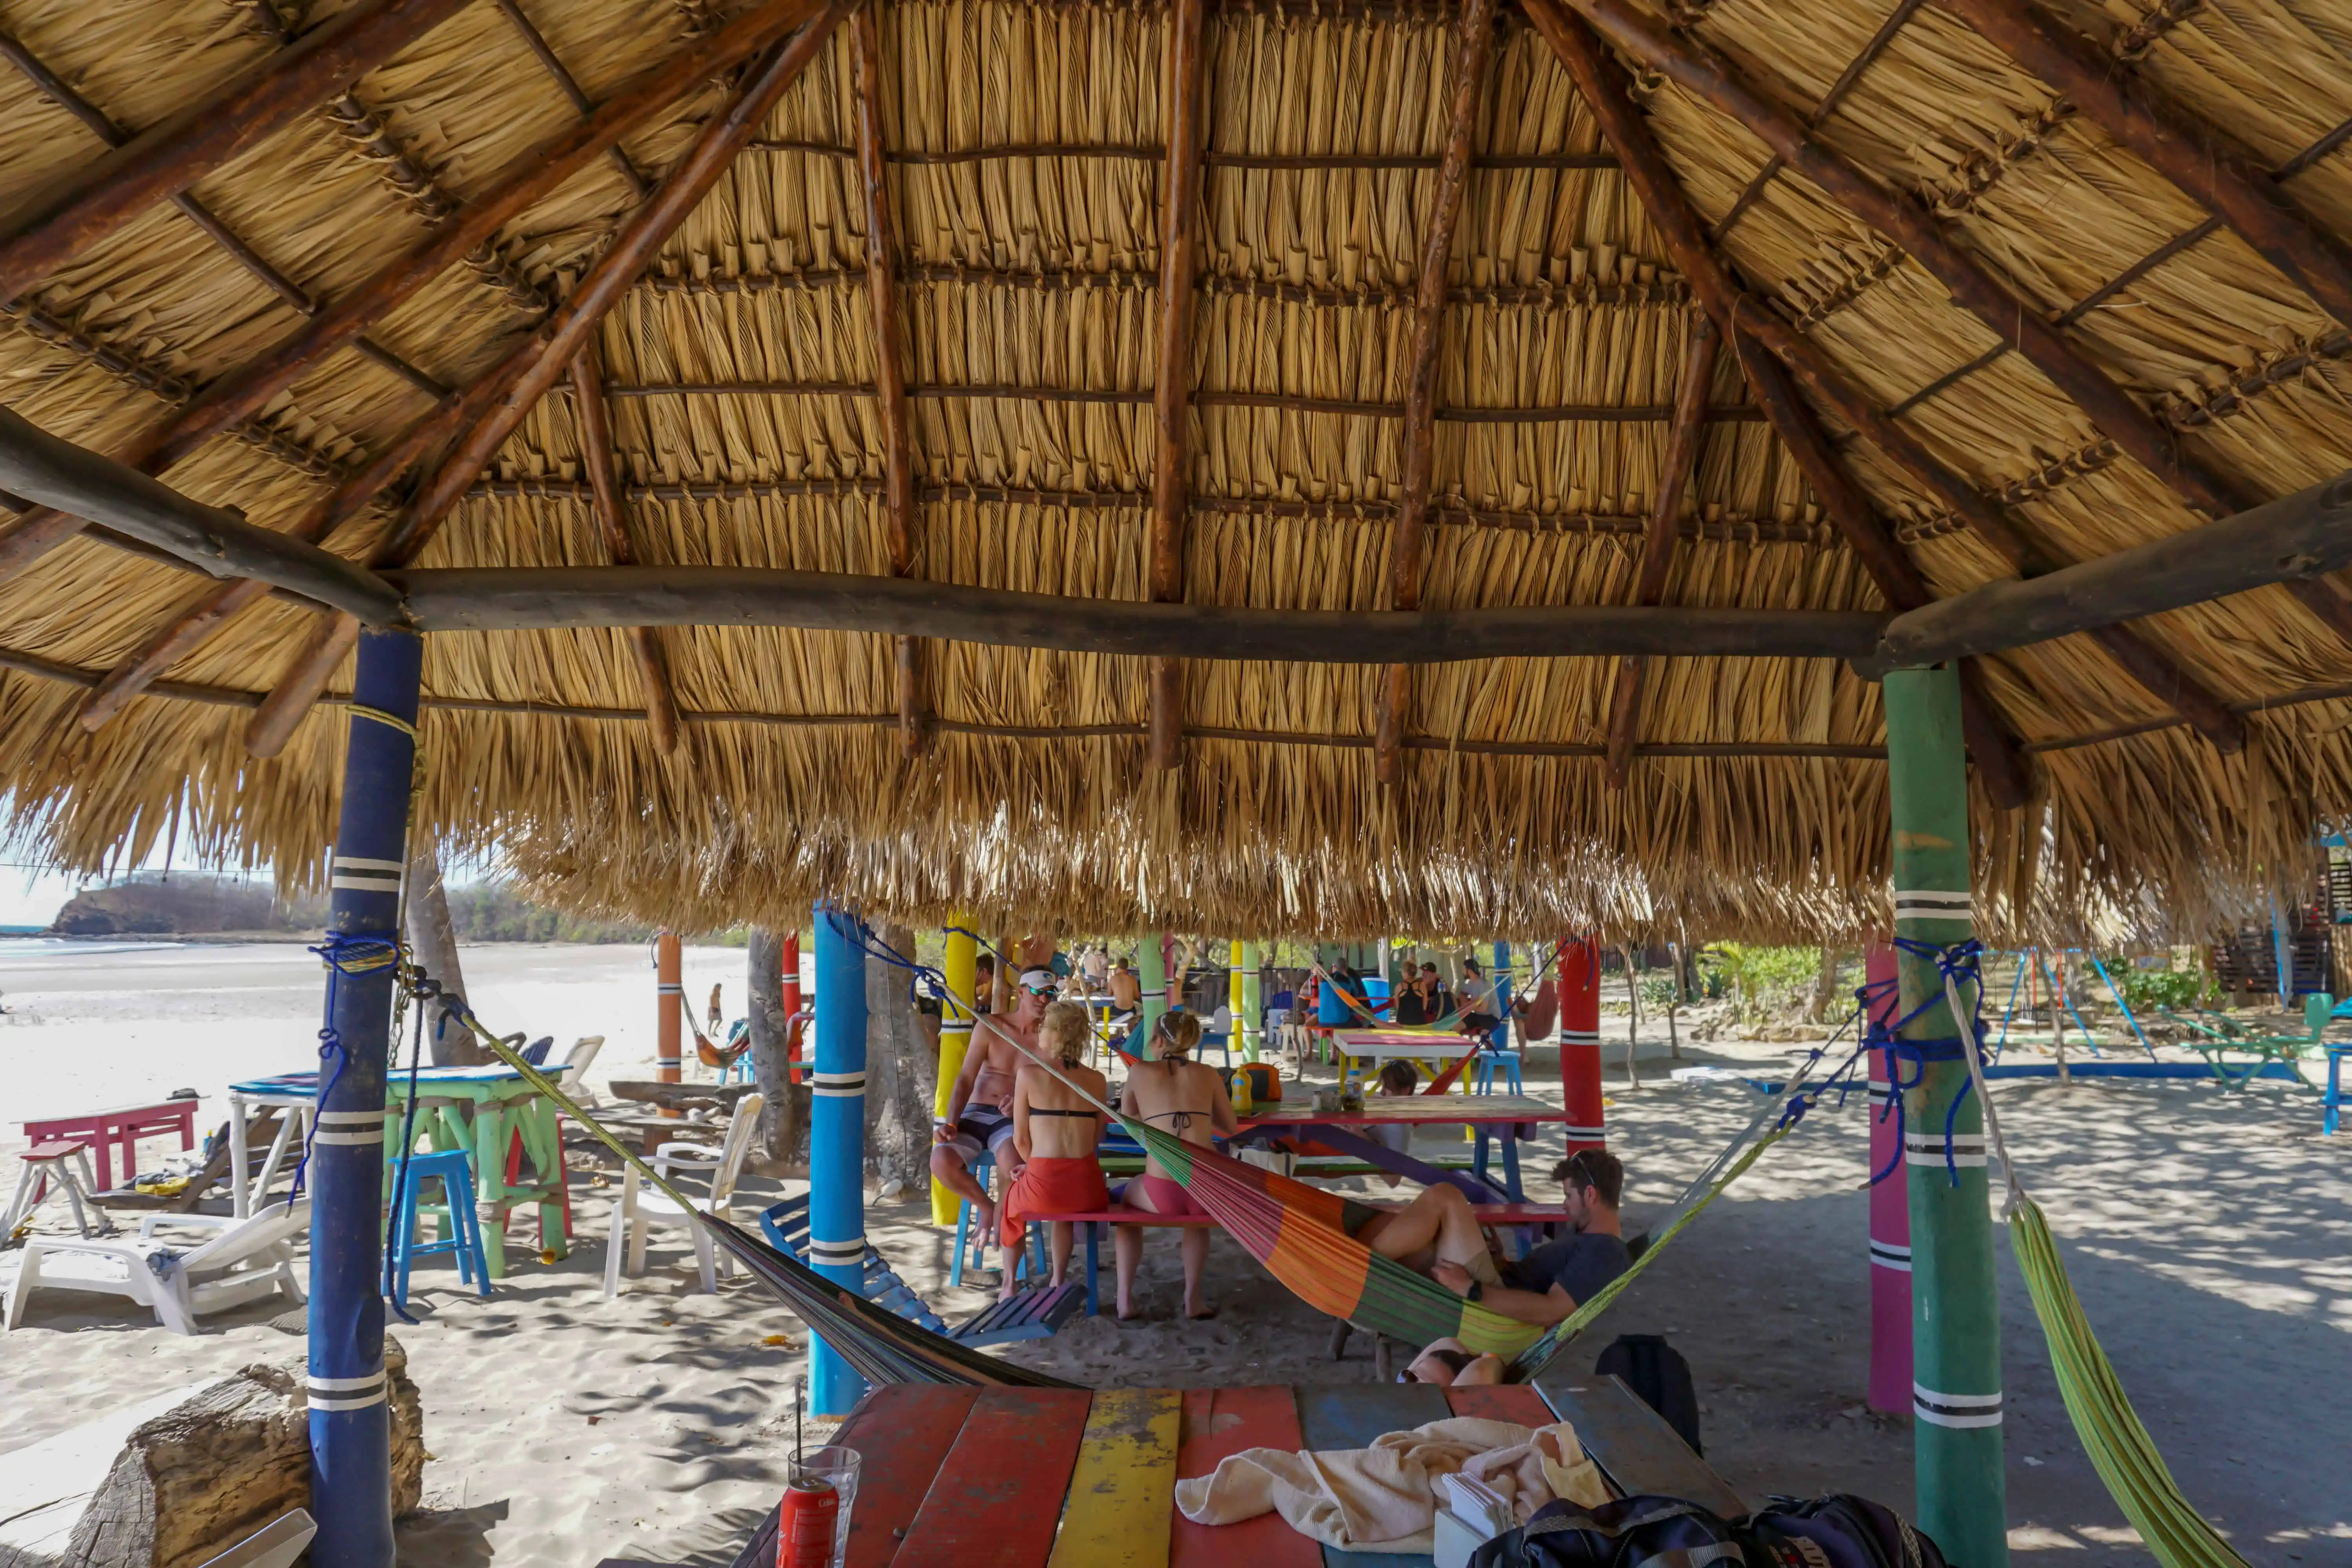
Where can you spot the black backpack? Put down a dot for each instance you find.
(1836, 1530)
(1631, 1532)
(1657, 1372)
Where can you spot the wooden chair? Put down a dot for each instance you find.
(244, 1259)
(634, 1212)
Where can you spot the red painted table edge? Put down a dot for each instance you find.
(124, 1124)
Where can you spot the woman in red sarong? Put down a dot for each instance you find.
(1056, 1130)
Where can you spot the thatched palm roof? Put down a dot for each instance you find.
(1026, 152)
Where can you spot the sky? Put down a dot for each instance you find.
(31, 895)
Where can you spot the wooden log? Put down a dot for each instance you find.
(889, 355)
(290, 701)
(56, 473)
(81, 207)
(2297, 536)
(596, 457)
(1715, 81)
(513, 598)
(1666, 525)
(1418, 441)
(2202, 159)
(1179, 216)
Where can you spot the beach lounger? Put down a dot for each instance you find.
(244, 1260)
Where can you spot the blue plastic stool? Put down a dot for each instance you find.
(460, 1229)
(971, 1243)
(1488, 1060)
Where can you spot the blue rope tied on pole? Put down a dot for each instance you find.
(343, 954)
(1959, 961)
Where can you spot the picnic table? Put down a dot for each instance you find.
(490, 1112)
(1496, 1120)
(124, 1125)
(1405, 1044)
(1068, 1478)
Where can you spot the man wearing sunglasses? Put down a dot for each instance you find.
(980, 1105)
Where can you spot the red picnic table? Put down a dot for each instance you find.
(127, 1125)
(1056, 1478)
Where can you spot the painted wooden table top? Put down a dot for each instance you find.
(1051, 1478)
(1510, 1108)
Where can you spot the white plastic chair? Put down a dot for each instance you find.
(246, 1259)
(575, 1070)
(634, 1212)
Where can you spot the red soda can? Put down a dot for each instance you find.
(804, 1524)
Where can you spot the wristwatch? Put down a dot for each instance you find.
(1477, 1289)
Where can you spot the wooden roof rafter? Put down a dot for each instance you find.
(1184, 117)
(620, 548)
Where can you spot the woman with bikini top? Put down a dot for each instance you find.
(1189, 1100)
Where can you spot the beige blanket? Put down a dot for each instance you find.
(1384, 1497)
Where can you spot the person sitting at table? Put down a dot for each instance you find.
(1188, 1099)
(1055, 1129)
(1397, 1077)
(1477, 1001)
(1408, 1008)
(1435, 1002)
(1438, 1234)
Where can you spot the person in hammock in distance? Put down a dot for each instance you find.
(1055, 1130)
(980, 1105)
(1438, 1234)
(1188, 1099)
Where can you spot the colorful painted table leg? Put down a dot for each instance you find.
(1218, 1422)
(1122, 1492)
(998, 1495)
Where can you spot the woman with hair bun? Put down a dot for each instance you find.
(1188, 1099)
(1055, 1129)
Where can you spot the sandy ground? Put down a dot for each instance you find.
(2207, 1234)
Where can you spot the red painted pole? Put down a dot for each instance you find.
(1580, 1044)
(791, 966)
(1890, 1216)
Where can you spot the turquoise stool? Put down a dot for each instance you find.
(969, 1244)
(1509, 1060)
(459, 1228)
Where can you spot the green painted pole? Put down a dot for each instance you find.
(1955, 1299)
(1151, 969)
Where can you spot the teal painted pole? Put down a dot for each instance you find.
(1151, 970)
(1955, 1299)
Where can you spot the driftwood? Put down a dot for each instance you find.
(194, 1480)
(680, 1096)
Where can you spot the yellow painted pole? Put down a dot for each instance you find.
(955, 1038)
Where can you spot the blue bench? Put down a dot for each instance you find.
(1032, 1315)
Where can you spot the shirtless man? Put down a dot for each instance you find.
(980, 1105)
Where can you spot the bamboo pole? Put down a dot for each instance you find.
(1474, 42)
(1180, 216)
(1665, 526)
(290, 701)
(83, 206)
(596, 457)
(890, 358)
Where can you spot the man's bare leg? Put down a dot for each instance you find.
(954, 1175)
(1438, 1218)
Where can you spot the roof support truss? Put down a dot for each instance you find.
(1171, 391)
(596, 456)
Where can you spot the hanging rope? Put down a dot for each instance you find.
(343, 955)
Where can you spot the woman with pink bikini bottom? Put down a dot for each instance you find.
(1188, 1099)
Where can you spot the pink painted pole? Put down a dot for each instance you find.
(1890, 1218)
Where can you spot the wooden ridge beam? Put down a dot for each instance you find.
(60, 220)
(450, 599)
(1472, 43)
(1172, 376)
(523, 184)
(889, 361)
(1334, 163)
(1666, 292)
(509, 391)
(2203, 161)
(596, 457)
(1606, 89)
(1665, 527)
(1738, 312)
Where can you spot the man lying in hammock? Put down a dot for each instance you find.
(1438, 1234)
(980, 1105)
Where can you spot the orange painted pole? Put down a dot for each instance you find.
(669, 1000)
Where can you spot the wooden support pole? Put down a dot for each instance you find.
(1418, 440)
(1580, 1044)
(1956, 1301)
(525, 180)
(1180, 215)
(838, 1143)
(961, 968)
(596, 457)
(1658, 545)
(902, 514)
(1890, 1201)
(2203, 160)
(60, 220)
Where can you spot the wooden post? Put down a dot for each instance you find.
(1179, 220)
(350, 1430)
(1580, 1044)
(960, 966)
(1151, 970)
(764, 961)
(669, 1002)
(596, 457)
(1956, 1301)
(837, 1141)
(1890, 1211)
(1250, 1011)
(1658, 545)
(1418, 446)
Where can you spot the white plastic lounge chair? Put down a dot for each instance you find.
(634, 1212)
(246, 1259)
(575, 1070)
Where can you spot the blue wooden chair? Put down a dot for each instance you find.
(1030, 1315)
(457, 1228)
(1492, 1056)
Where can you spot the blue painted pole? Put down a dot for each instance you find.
(350, 1420)
(838, 1140)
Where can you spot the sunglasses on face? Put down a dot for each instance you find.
(1038, 990)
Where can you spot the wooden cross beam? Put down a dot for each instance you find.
(1171, 389)
(527, 179)
(900, 499)
(1419, 438)
(81, 206)
(1608, 91)
(1740, 312)
(596, 457)
(1658, 545)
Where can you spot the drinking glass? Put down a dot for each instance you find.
(838, 1467)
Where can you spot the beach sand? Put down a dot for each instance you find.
(2207, 1234)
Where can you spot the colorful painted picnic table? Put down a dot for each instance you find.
(123, 1126)
(488, 1111)
(1053, 1478)
(1497, 1118)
